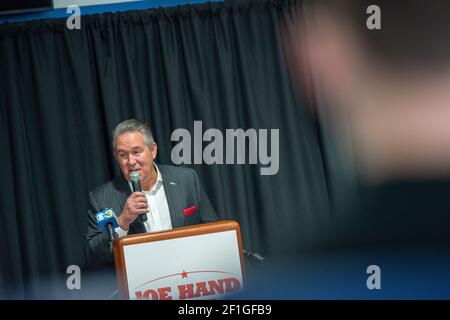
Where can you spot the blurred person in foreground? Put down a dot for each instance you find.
(389, 88)
(386, 94)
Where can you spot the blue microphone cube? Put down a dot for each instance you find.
(104, 217)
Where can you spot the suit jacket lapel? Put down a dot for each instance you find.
(171, 190)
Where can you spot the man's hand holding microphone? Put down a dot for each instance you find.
(136, 205)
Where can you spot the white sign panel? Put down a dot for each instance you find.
(197, 267)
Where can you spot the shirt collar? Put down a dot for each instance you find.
(159, 178)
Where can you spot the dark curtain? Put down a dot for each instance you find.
(63, 91)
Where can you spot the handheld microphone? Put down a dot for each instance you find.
(106, 220)
(136, 185)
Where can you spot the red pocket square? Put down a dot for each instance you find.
(189, 210)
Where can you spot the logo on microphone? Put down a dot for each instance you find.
(106, 214)
(105, 217)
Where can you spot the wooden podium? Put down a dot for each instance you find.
(196, 262)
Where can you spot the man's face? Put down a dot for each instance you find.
(133, 154)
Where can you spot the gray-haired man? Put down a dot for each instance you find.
(171, 196)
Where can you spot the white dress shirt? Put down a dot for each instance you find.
(158, 217)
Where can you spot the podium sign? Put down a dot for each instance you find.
(199, 262)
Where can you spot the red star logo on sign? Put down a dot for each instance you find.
(184, 274)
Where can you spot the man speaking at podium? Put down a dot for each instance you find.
(171, 196)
